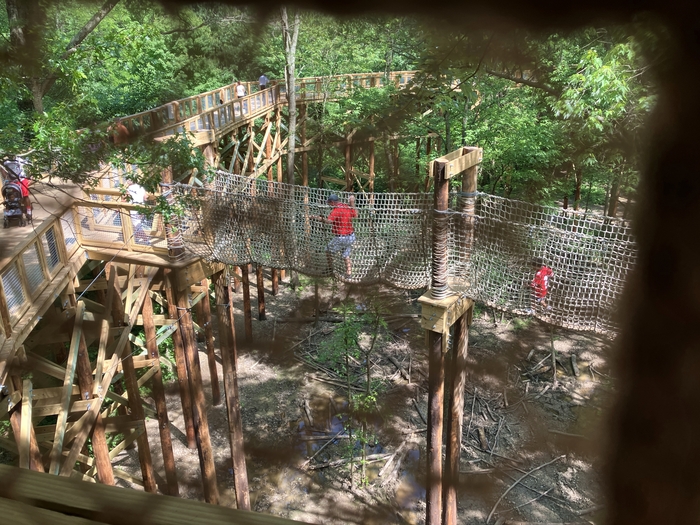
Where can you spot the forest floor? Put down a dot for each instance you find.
(531, 448)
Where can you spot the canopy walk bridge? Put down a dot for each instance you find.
(91, 267)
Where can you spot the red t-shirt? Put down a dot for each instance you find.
(541, 281)
(341, 218)
(25, 187)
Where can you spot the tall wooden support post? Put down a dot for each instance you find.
(204, 318)
(247, 316)
(199, 409)
(438, 315)
(229, 358)
(440, 309)
(180, 361)
(99, 439)
(261, 292)
(137, 414)
(304, 153)
(166, 443)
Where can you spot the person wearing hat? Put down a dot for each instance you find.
(340, 219)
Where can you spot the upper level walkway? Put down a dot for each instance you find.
(211, 115)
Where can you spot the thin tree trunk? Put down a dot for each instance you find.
(290, 34)
(577, 192)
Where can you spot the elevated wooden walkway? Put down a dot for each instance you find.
(81, 277)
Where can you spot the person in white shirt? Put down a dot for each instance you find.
(240, 90)
(137, 195)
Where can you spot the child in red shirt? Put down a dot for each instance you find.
(540, 283)
(340, 219)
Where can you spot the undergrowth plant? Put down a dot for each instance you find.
(354, 340)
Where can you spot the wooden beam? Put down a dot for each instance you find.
(81, 429)
(71, 365)
(180, 361)
(23, 440)
(149, 328)
(199, 409)
(137, 414)
(99, 439)
(227, 337)
(204, 308)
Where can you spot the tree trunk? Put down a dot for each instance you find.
(614, 197)
(290, 34)
(578, 174)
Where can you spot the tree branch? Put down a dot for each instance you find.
(77, 39)
(520, 80)
(183, 30)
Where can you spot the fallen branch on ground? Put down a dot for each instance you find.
(512, 486)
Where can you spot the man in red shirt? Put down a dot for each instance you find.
(340, 219)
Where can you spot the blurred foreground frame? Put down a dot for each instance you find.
(654, 432)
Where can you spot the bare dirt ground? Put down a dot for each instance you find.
(531, 446)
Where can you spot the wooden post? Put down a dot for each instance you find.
(199, 409)
(261, 292)
(275, 281)
(99, 439)
(137, 414)
(436, 384)
(229, 358)
(458, 381)
(204, 318)
(237, 279)
(268, 148)
(23, 430)
(116, 294)
(166, 443)
(437, 316)
(246, 304)
(180, 361)
(440, 231)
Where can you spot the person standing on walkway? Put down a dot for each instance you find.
(340, 219)
(240, 90)
(263, 80)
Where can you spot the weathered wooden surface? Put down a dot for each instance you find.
(28, 497)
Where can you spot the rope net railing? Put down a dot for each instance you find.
(492, 244)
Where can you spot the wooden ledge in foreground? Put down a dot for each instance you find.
(28, 497)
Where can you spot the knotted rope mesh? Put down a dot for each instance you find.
(492, 243)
